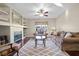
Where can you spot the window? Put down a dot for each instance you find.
(41, 26)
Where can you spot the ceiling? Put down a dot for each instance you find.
(28, 10)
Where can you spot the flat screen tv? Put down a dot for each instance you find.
(17, 36)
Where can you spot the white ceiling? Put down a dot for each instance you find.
(27, 10)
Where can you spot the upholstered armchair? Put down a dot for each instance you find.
(40, 37)
(7, 50)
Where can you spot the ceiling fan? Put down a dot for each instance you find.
(41, 13)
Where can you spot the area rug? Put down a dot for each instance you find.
(51, 49)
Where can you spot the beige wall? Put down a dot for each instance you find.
(31, 25)
(69, 21)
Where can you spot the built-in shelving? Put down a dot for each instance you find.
(4, 18)
(14, 21)
(4, 13)
(4, 34)
(25, 22)
(24, 32)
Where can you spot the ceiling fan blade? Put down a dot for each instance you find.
(38, 12)
(45, 15)
(46, 12)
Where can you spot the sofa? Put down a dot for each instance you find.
(71, 43)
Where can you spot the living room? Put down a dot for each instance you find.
(18, 25)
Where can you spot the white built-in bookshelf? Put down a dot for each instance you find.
(15, 21)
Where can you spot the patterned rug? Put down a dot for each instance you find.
(37, 52)
(51, 49)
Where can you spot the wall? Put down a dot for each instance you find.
(31, 25)
(69, 21)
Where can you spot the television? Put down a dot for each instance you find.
(17, 36)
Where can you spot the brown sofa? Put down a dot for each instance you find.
(71, 43)
(74, 38)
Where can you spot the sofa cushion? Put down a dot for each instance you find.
(68, 35)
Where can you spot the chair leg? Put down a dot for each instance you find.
(17, 53)
(44, 42)
(35, 42)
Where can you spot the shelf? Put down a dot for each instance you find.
(17, 18)
(4, 19)
(4, 23)
(3, 12)
(25, 26)
(16, 25)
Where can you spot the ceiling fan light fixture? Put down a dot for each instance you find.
(37, 13)
(41, 15)
(42, 12)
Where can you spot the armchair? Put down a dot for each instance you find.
(7, 49)
(40, 37)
